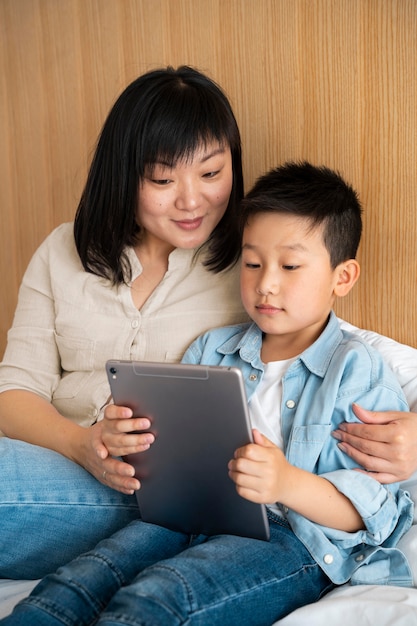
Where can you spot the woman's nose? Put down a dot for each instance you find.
(187, 196)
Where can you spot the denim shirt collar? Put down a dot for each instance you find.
(316, 357)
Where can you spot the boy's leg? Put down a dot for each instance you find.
(79, 592)
(223, 581)
(52, 510)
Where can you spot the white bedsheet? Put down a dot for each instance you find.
(11, 591)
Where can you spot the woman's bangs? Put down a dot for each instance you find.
(182, 128)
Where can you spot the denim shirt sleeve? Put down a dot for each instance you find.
(363, 557)
(368, 556)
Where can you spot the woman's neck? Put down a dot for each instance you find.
(153, 258)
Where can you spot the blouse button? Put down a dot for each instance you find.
(328, 559)
(253, 377)
(290, 404)
(135, 323)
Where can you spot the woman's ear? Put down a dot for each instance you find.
(347, 274)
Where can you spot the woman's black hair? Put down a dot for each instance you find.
(164, 115)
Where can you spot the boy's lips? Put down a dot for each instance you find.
(268, 308)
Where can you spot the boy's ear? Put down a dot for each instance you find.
(348, 274)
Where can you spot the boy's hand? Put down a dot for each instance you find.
(258, 470)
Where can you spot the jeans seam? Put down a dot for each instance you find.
(230, 598)
(53, 610)
(195, 611)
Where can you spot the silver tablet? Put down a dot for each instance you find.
(199, 418)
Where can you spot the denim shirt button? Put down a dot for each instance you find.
(290, 404)
(253, 377)
(359, 558)
(328, 559)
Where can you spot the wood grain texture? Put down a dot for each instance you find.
(332, 81)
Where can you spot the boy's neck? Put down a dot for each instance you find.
(289, 345)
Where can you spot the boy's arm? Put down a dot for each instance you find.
(262, 474)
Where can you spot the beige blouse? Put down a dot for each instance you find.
(68, 322)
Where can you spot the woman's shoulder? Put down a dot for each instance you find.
(59, 239)
(56, 252)
(62, 234)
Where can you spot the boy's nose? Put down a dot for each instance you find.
(267, 285)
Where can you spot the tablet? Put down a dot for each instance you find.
(199, 418)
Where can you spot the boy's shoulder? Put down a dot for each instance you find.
(344, 359)
(364, 364)
(216, 342)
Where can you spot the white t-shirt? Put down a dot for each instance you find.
(265, 405)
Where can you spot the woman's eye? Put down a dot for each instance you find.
(211, 174)
(252, 266)
(161, 181)
(290, 267)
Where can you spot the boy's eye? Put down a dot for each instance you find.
(252, 265)
(290, 267)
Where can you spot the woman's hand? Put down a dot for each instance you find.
(113, 437)
(384, 444)
(120, 433)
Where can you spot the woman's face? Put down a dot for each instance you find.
(181, 205)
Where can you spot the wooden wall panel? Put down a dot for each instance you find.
(334, 81)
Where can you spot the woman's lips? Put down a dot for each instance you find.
(189, 224)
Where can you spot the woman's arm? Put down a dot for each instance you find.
(25, 415)
(47, 336)
(385, 443)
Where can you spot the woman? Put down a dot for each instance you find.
(148, 265)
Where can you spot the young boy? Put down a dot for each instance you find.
(301, 227)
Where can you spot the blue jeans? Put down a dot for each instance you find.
(146, 575)
(52, 510)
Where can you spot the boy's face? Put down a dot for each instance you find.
(287, 282)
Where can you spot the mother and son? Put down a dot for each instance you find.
(151, 263)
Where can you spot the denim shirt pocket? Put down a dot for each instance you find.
(306, 444)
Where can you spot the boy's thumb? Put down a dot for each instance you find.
(261, 440)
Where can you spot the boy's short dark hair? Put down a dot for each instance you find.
(316, 193)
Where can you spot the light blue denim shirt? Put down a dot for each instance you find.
(318, 391)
